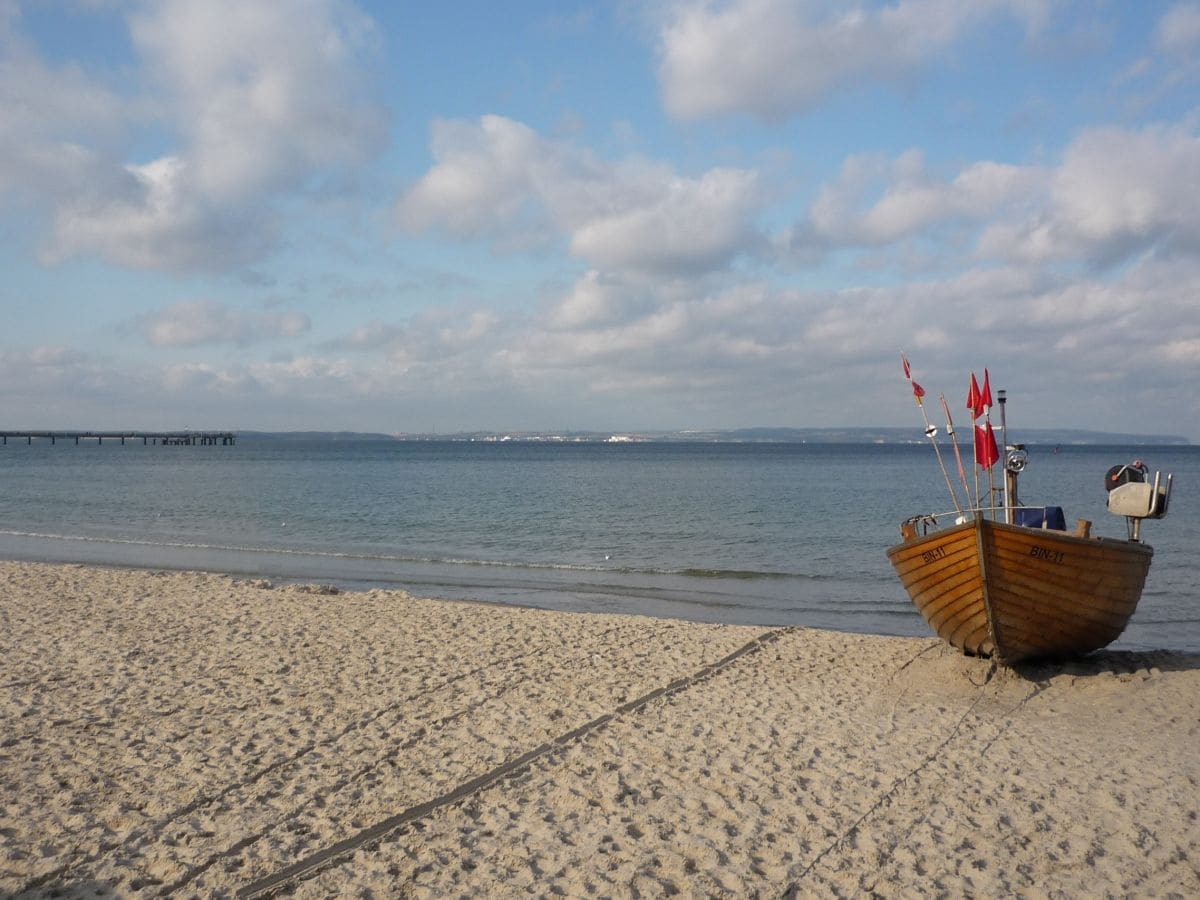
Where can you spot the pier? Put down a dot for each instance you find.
(161, 438)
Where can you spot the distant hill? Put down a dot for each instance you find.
(913, 435)
(858, 435)
(314, 436)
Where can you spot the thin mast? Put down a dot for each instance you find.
(962, 473)
(991, 441)
(930, 432)
(976, 410)
(1002, 398)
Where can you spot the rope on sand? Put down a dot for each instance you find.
(309, 866)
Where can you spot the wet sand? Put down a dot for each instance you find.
(186, 733)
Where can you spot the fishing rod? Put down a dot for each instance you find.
(930, 431)
(962, 473)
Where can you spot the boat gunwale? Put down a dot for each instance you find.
(1049, 533)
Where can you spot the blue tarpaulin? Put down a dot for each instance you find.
(1041, 517)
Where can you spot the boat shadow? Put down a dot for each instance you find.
(1109, 662)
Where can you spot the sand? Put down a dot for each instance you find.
(189, 734)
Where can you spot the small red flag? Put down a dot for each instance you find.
(985, 396)
(973, 399)
(907, 368)
(987, 454)
(918, 391)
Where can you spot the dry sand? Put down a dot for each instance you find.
(187, 734)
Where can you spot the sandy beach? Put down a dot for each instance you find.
(193, 735)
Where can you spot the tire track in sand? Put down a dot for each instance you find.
(335, 853)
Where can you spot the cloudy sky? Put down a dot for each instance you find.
(325, 214)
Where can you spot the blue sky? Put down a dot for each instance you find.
(551, 216)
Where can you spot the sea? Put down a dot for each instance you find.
(746, 533)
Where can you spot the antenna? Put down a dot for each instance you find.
(1002, 397)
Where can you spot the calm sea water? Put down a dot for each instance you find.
(765, 534)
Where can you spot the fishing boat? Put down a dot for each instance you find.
(1010, 582)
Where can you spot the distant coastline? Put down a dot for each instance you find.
(859, 435)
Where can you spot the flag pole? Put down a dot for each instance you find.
(987, 424)
(1002, 396)
(930, 432)
(962, 473)
(974, 407)
(987, 418)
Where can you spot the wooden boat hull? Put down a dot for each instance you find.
(1016, 593)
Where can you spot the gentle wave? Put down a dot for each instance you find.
(744, 574)
(736, 574)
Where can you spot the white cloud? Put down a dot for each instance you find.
(1116, 193)
(372, 336)
(622, 343)
(773, 58)
(1178, 30)
(691, 225)
(1185, 352)
(287, 381)
(263, 94)
(58, 126)
(498, 179)
(52, 356)
(258, 100)
(633, 354)
(187, 377)
(879, 201)
(438, 351)
(192, 323)
(485, 180)
(640, 351)
(291, 375)
(595, 300)
(151, 217)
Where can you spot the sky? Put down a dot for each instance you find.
(559, 216)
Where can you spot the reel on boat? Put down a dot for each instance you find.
(1132, 496)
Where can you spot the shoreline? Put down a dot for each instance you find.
(173, 730)
(663, 595)
(731, 598)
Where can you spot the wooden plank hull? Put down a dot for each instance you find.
(1015, 593)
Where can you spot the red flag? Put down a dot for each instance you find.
(974, 403)
(907, 368)
(985, 396)
(987, 454)
(918, 392)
